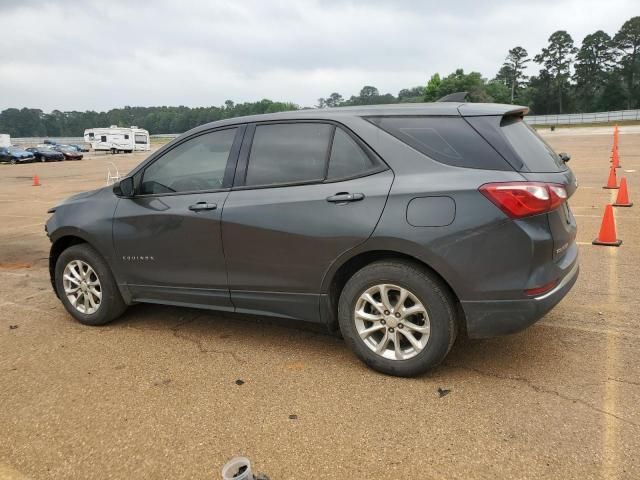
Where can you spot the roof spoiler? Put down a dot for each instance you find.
(457, 97)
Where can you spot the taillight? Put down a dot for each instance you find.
(524, 199)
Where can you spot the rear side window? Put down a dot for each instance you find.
(288, 153)
(347, 158)
(449, 140)
(535, 153)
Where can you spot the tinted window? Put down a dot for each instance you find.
(126, 137)
(449, 140)
(536, 154)
(288, 153)
(347, 158)
(197, 164)
(103, 138)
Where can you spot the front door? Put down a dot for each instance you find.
(168, 237)
(311, 192)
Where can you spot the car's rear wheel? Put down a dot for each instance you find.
(86, 286)
(397, 317)
(13, 161)
(43, 158)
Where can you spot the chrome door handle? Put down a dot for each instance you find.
(197, 207)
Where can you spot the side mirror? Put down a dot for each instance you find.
(124, 188)
(565, 157)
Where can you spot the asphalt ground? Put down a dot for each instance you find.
(155, 394)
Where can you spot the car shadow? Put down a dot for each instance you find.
(539, 347)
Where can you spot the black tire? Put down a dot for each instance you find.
(428, 289)
(111, 304)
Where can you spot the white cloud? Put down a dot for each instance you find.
(90, 54)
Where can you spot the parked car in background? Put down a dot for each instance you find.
(399, 225)
(15, 155)
(68, 151)
(46, 154)
(79, 148)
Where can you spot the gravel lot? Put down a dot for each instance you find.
(154, 395)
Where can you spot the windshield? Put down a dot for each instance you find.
(535, 153)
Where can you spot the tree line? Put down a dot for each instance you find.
(602, 74)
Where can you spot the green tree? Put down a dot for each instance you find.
(557, 59)
(414, 94)
(432, 90)
(513, 70)
(627, 41)
(334, 100)
(594, 62)
(473, 83)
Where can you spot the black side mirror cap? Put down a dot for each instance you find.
(565, 157)
(124, 188)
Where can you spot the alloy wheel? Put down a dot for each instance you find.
(82, 287)
(392, 321)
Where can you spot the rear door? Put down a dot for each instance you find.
(168, 236)
(305, 193)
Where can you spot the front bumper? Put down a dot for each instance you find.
(502, 317)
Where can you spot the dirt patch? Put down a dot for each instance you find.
(14, 265)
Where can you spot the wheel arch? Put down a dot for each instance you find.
(340, 272)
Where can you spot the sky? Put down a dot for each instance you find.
(97, 54)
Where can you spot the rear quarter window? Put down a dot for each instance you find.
(448, 140)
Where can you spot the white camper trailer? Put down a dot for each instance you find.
(118, 139)
(5, 140)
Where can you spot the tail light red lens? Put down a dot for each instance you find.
(524, 199)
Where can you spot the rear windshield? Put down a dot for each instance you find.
(449, 140)
(536, 154)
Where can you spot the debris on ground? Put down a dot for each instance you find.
(239, 382)
(443, 391)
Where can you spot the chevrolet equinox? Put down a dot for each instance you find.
(397, 226)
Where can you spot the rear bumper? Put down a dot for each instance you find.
(502, 317)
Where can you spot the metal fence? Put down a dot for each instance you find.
(33, 141)
(586, 118)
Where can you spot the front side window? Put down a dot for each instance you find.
(195, 165)
(288, 153)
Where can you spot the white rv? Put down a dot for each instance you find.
(5, 140)
(118, 139)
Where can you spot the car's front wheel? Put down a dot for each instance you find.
(13, 161)
(397, 317)
(86, 286)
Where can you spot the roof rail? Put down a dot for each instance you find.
(454, 97)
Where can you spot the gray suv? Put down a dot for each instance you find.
(398, 226)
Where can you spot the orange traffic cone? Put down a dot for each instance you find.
(36, 181)
(612, 182)
(615, 158)
(607, 235)
(622, 200)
